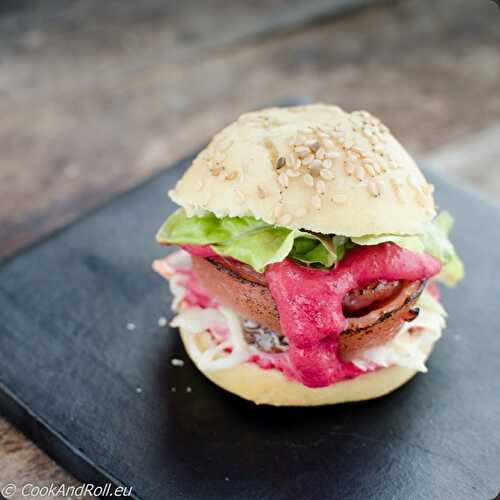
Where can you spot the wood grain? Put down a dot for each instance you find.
(94, 97)
(22, 463)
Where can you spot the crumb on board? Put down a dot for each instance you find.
(177, 362)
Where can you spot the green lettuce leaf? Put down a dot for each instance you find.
(433, 241)
(248, 240)
(258, 244)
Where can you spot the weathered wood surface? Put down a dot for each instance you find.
(95, 97)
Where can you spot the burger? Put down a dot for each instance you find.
(309, 254)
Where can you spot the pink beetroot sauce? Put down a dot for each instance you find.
(200, 250)
(309, 302)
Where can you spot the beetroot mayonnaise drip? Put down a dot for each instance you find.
(309, 303)
(200, 250)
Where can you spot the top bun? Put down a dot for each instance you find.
(310, 167)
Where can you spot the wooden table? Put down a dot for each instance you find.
(95, 96)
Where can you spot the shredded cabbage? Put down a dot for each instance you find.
(405, 349)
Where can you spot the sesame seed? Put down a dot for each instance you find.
(277, 211)
(326, 174)
(349, 168)
(395, 181)
(320, 154)
(173, 389)
(307, 160)
(285, 219)
(380, 186)
(332, 154)
(369, 169)
(232, 175)
(302, 150)
(283, 179)
(188, 389)
(316, 202)
(320, 187)
(297, 164)
(421, 198)
(317, 164)
(399, 193)
(300, 212)
(328, 144)
(359, 173)
(162, 321)
(308, 179)
(177, 362)
(327, 163)
(138, 390)
(261, 193)
(397, 188)
(199, 186)
(313, 144)
(216, 171)
(373, 189)
(339, 198)
(377, 168)
(281, 162)
(292, 173)
(131, 326)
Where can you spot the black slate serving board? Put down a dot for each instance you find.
(98, 397)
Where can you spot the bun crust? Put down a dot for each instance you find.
(270, 387)
(313, 167)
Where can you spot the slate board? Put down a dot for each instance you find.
(70, 373)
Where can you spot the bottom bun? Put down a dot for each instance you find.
(269, 386)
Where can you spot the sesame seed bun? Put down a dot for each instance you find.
(313, 167)
(270, 386)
